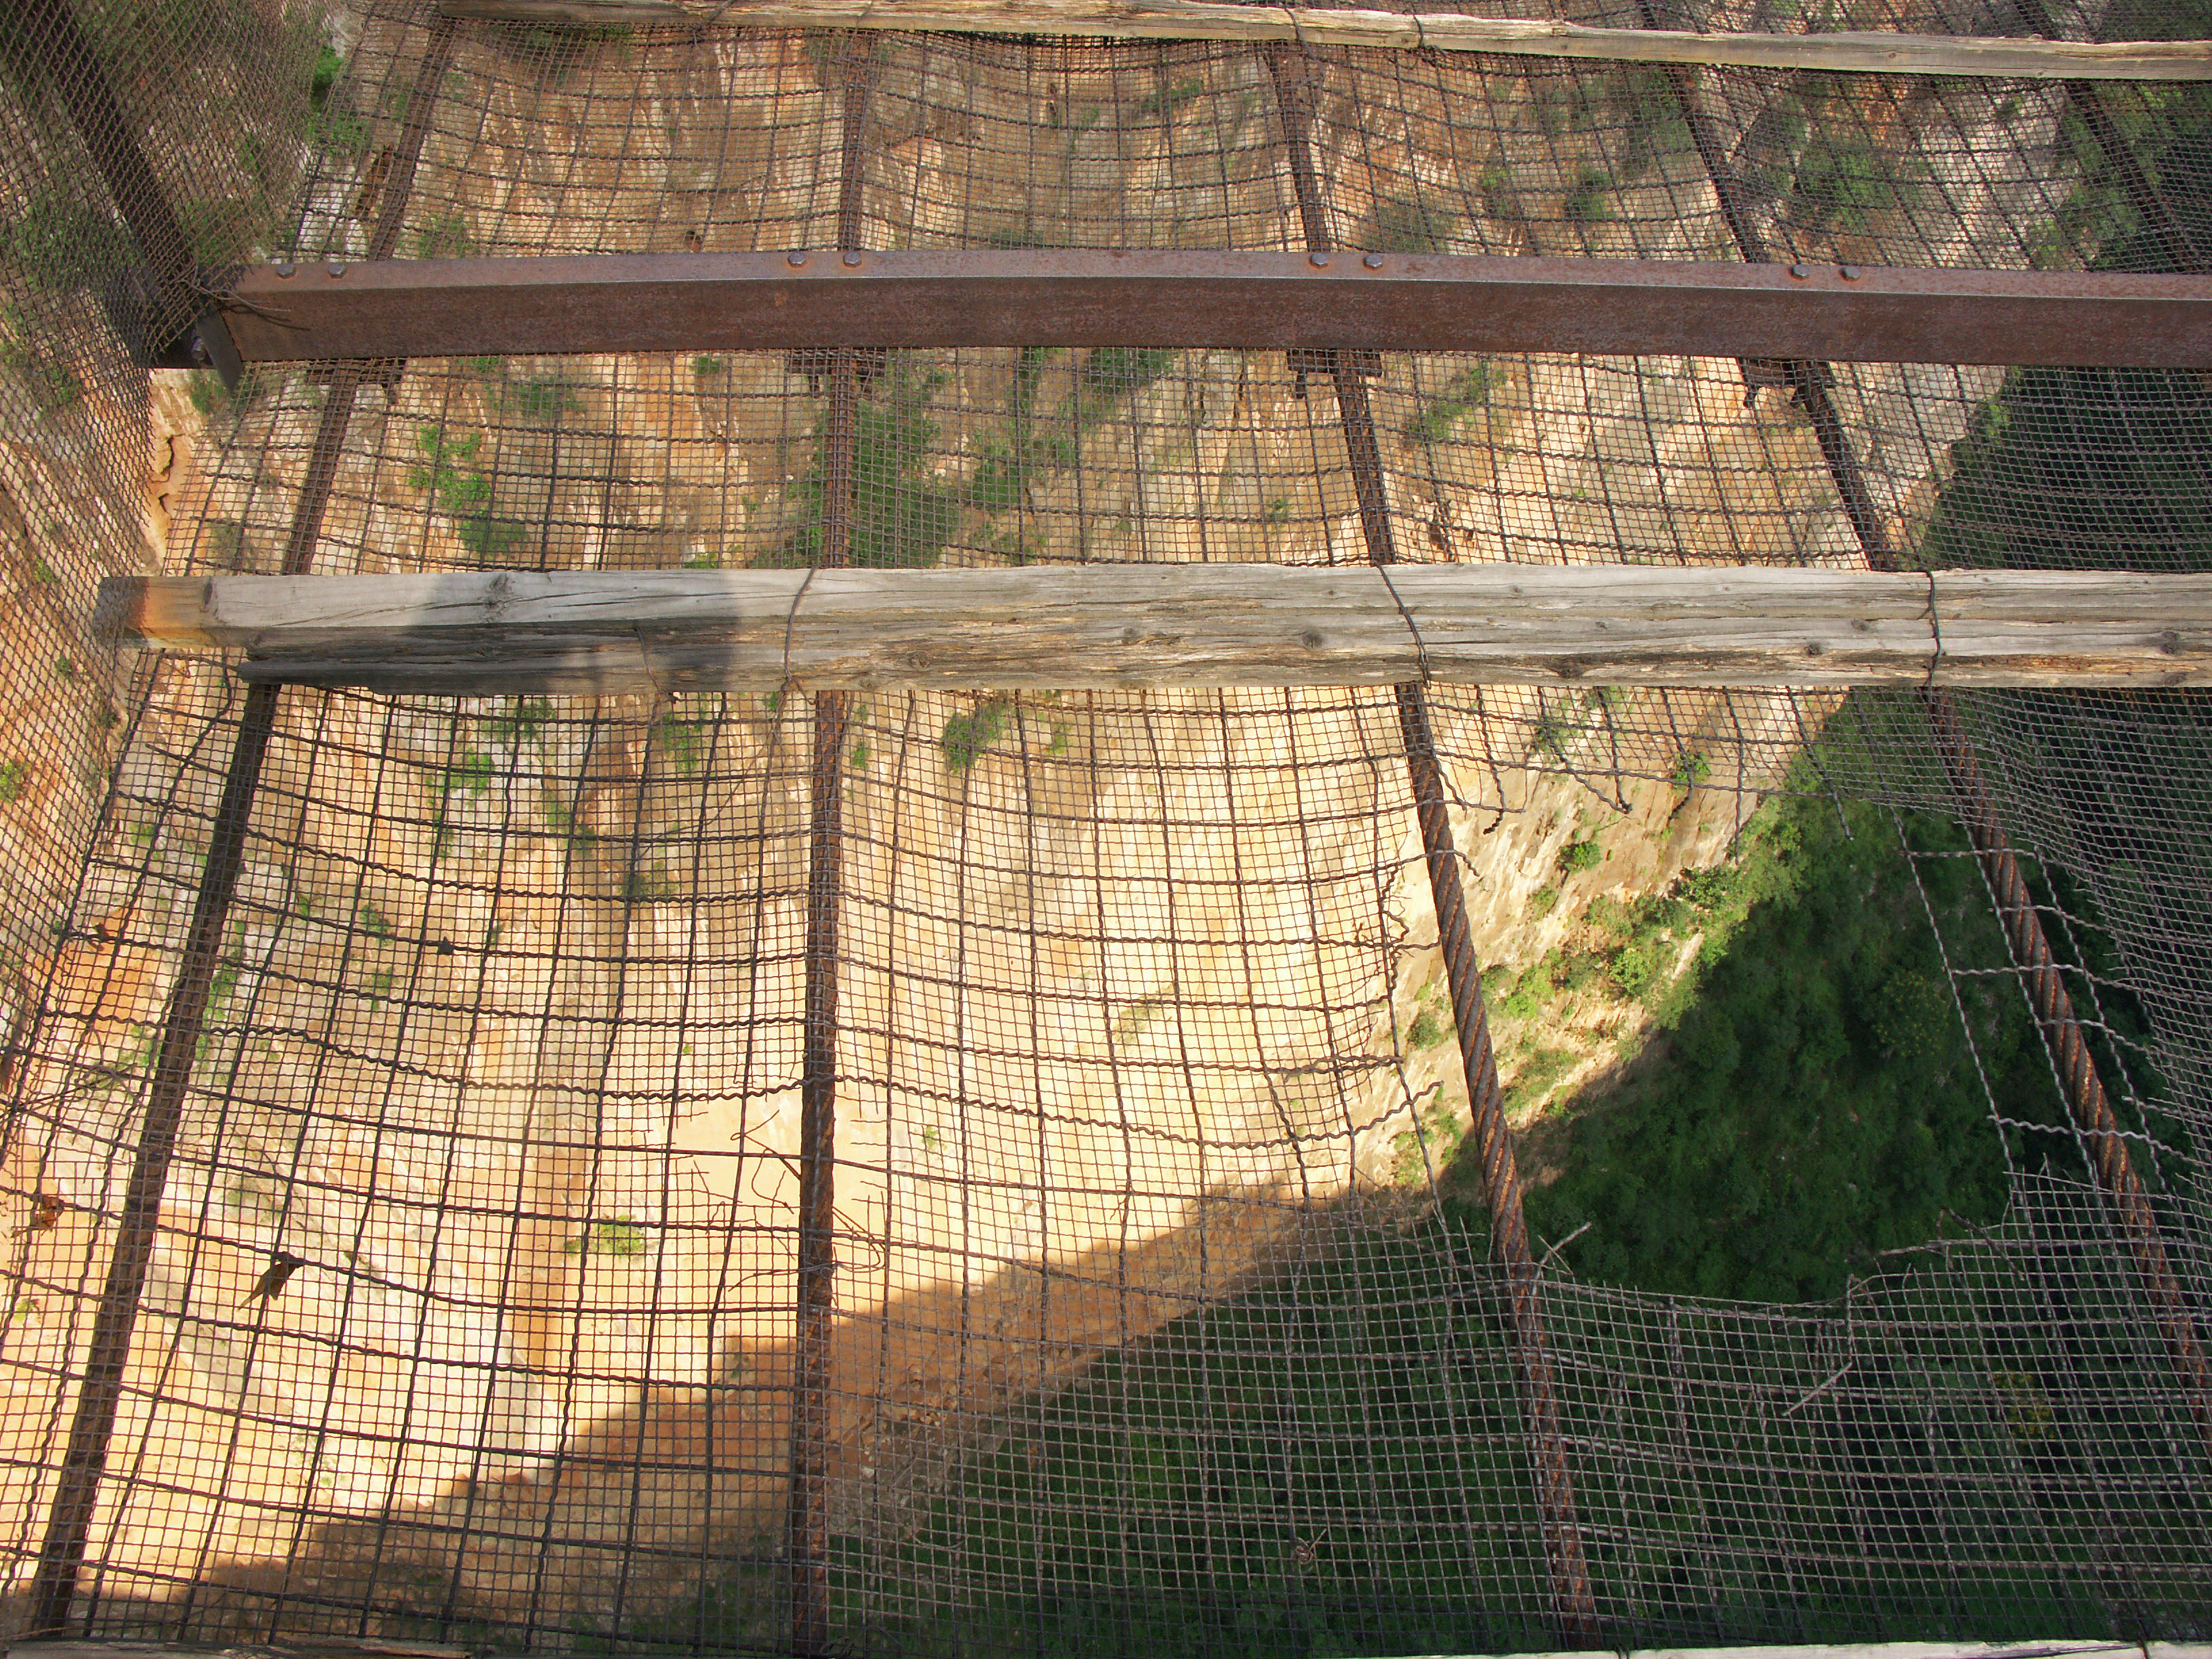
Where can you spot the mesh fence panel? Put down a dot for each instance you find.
(471, 1312)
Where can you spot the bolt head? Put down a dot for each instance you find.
(1320, 261)
(1801, 272)
(336, 269)
(852, 256)
(794, 260)
(1373, 262)
(285, 268)
(1849, 273)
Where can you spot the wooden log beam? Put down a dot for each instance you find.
(1247, 301)
(1847, 52)
(1181, 625)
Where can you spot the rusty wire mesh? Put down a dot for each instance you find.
(471, 1315)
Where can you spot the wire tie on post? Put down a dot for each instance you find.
(790, 620)
(1935, 628)
(1420, 646)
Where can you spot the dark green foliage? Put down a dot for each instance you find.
(1589, 200)
(1818, 1100)
(1577, 856)
(330, 126)
(904, 512)
(1177, 1509)
(14, 778)
(524, 723)
(1841, 183)
(685, 742)
(473, 774)
(1116, 371)
(1432, 1028)
(59, 244)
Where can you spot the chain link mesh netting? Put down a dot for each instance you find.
(1160, 1325)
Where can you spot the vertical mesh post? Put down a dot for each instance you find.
(1574, 1600)
(809, 1520)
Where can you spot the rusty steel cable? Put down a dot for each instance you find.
(1575, 1614)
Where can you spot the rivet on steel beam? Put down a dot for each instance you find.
(286, 268)
(794, 260)
(1801, 272)
(1320, 261)
(1849, 273)
(852, 256)
(1373, 262)
(337, 270)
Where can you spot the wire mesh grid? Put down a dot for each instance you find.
(470, 1314)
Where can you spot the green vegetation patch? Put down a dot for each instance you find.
(1413, 222)
(1438, 418)
(1812, 1098)
(617, 1236)
(462, 491)
(967, 735)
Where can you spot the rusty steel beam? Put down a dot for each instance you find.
(1573, 1598)
(1321, 299)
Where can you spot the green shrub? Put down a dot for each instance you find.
(1439, 416)
(1431, 1027)
(329, 127)
(541, 400)
(59, 244)
(462, 493)
(1587, 203)
(1577, 856)
(1819, 1101)
(966, 736)
(522, 723)
(1842, 184)
(685, 742)
(1524, 1000)
(14, 778)
(620, 1236)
